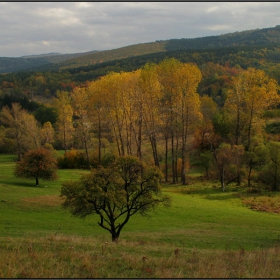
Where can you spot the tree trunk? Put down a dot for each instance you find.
(183, 167)
(154, 149)
(121, 141)
(37, 181)
(117, 139)
(222, 179)
(18, 147)
(176, 156)
(166, 157)
(249, 173)
(115, 236)
(99, 139)
(238, 179)
(87, 155)
(249, 131)
(173, 158)
(139, 142)
(64, 138)
(184, 146)
(237, 130)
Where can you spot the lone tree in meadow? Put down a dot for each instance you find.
(38, 163)
(115, 193)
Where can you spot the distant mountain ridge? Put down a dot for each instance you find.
(58, 56)
(32, 62)
(55, 61)
(40, 55)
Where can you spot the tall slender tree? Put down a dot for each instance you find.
(151, 96)
(189, 108)
(18, 121)
(168, 78)
(65, 122)
(80, 104)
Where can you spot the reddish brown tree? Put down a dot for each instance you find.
(38, 163)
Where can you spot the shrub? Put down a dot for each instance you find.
(273, 128)
(72, 159)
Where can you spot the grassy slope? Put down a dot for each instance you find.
(204, 234)
(200, 216)
(109, 55)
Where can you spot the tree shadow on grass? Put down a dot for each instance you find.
(20, 184)
(199, 190)
(224, 196)
(214, 193)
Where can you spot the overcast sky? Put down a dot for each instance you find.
(28, 28)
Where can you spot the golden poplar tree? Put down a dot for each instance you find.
(47, 133)
(253, 93)
(150, 89)
(180, 108)
(168, 77)
(111, 88)
(189, 108)
(97, 113)
(22, 127)
(65, 114)
(80, 104)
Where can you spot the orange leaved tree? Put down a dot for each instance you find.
(38, 163)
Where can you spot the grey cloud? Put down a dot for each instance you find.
(35, 27)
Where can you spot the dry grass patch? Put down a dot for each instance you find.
(59, 256)
(269, 204)
(44, 200)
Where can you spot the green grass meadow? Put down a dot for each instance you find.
(202, 220)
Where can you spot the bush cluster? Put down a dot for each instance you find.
(77, 159)
(73, 159)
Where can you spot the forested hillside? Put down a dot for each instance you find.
(222, 62)
(258, 37)
(28, 63)
(170, 114)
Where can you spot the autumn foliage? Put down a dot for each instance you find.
(115, 193)
(38, 164)
(165, 114)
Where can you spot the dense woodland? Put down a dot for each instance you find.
(216, 109)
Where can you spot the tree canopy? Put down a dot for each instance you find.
(115, 193)
(38, 163)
